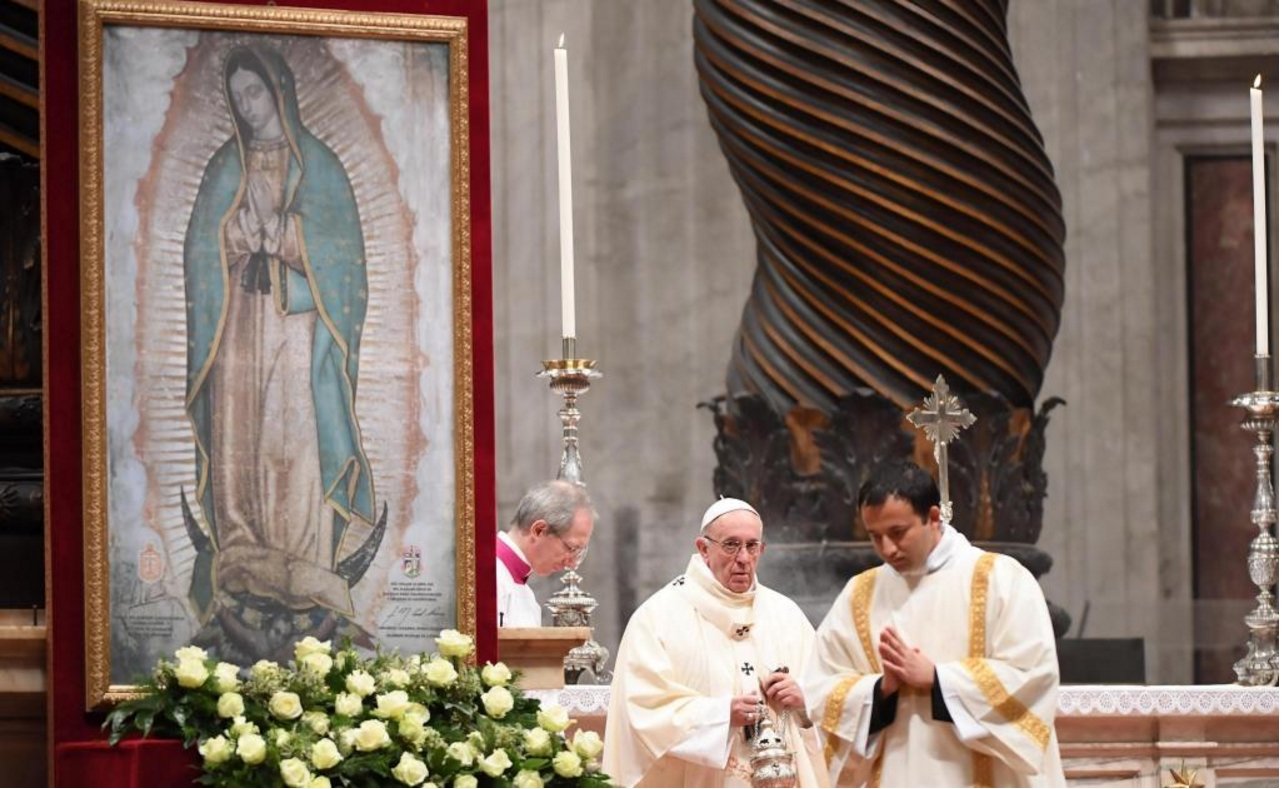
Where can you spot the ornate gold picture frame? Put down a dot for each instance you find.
(277, 361)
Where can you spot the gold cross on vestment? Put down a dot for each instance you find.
(943, 417)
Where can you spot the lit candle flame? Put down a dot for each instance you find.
(1256, 85)
(560, 44)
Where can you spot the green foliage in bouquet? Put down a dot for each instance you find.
(340, 719)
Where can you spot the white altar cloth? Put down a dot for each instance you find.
(1115, 735)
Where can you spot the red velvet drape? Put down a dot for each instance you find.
(77, 754)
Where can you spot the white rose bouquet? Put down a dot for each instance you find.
(338, 718)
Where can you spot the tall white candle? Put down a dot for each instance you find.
(1261, 222)
(563, 186)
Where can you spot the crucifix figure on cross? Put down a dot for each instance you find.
(943, 417)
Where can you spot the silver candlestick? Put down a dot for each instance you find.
(570, 378)
(572, 606)
(1260, 664)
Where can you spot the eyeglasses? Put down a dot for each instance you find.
(732, 547)
(577, 552)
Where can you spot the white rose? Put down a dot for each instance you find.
(465, 781)
(226, 678)
(325, 754)
(460, 752)
(538, 742)
(263, 668)
(360, 683)
(191, 653)
(317, 721)
(498, 702)
(496, 674)
(320, 782)
(191, 673)
(285, 705)
(230, 705)
(452, 643)
(409, 770)
(410, 729)
(418, 711)
(371, 736)
(567, 764)
(587, 744)
(348, 704)
(280, 737)
(495, 764)
(440, 673)
(317, 663)
(241, 726)
(392, 705)
(347, 741)
(252, 748)
(396, 677)
(294, 772)
(310, 646)
(216, 750)
(554, 718)
(528, 779)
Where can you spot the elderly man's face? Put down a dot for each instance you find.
(731, 547)
(549, 553)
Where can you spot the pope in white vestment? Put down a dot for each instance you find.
(937, 668)
(696, 658)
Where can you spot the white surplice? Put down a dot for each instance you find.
(982, 619)
(518, 607)
(686, 652)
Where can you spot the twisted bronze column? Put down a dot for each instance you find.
(907, 218)
(908, 225)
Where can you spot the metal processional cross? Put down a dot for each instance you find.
(943, 418)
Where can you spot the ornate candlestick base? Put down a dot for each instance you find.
(1260, 664)
(570, 378)
(571, 606)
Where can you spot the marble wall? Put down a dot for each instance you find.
(665, 258)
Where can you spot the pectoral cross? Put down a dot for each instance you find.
(943, 418)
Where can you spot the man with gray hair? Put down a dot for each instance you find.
(550, 532)
(703, 661)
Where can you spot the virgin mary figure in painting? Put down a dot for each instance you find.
(276, 295)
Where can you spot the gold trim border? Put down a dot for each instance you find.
(860, 601)
(94, 15)
(832, 713)
(1010, 707)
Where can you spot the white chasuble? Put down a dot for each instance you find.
(686, 652)
(982, 619)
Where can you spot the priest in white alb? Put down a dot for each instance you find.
(937, 668)
(702, 661)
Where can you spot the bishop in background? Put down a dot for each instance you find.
(549, 533)
(937, 668)
(702, 660)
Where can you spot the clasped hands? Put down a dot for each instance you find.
(264, 236)
(904, 665)
(781, 692)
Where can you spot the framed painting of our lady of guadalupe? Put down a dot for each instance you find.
(277, 335)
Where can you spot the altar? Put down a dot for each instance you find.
(1116, 735)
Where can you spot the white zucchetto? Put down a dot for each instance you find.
(721, 507)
